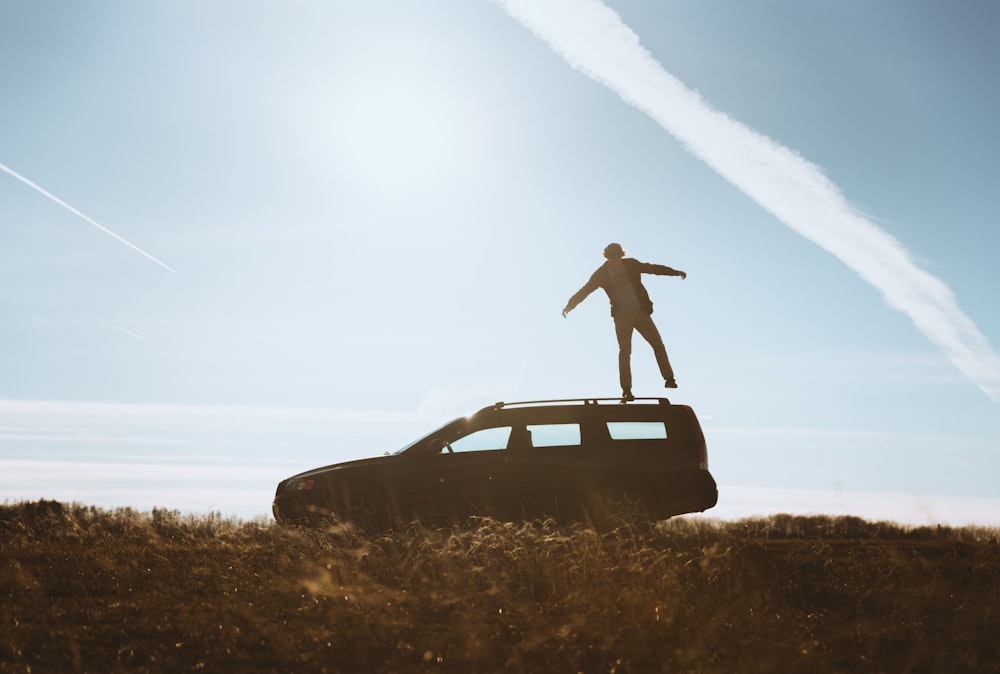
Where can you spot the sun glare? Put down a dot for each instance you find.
(398, 123)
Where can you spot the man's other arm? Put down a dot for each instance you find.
(661, 270)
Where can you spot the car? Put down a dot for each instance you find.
(581, 459)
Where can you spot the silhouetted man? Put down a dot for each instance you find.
(631, 308)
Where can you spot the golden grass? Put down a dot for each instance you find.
(84, 589)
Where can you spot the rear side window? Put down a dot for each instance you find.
(554, 435)
(637, 430)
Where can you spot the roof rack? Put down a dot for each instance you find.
(585, 401)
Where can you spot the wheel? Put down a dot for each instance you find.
(624, 507)
(367, 509)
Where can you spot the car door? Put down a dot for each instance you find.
(545, 474)
(463, 477)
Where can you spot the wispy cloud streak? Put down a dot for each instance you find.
(99, 226)
(592, 38)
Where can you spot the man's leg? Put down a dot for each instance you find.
(648, 330)
(623, 330)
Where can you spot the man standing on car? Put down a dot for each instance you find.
(631, 308)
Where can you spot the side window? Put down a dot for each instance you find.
(487, 439)
(554, 435)
(637, 430)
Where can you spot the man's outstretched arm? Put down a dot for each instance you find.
(580, 295)
(661, 270)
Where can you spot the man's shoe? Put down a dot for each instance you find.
(670, 383)
(627, 396)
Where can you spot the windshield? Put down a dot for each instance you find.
(450, 431)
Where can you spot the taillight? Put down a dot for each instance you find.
(703, 457)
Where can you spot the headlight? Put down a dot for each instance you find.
(300, 485)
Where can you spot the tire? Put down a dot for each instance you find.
(623, 507)
(366, 508)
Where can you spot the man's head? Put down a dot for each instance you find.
(613, 251)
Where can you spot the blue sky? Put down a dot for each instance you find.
(373, 213)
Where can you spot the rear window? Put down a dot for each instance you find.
(637, 430)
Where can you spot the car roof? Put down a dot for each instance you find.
(566, 411)
(578, 410)
(573, 401)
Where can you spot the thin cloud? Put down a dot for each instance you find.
(742, 501)
(41, 428)
(592, 38)
(99, 226)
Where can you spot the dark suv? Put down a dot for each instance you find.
(579, 459)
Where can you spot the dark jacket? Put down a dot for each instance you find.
(635, 270)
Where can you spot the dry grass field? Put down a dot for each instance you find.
(87, 590)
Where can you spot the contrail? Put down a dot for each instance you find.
(592, 38)
(62, 203)
(128, 332)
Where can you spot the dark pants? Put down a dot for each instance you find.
(625, 323)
